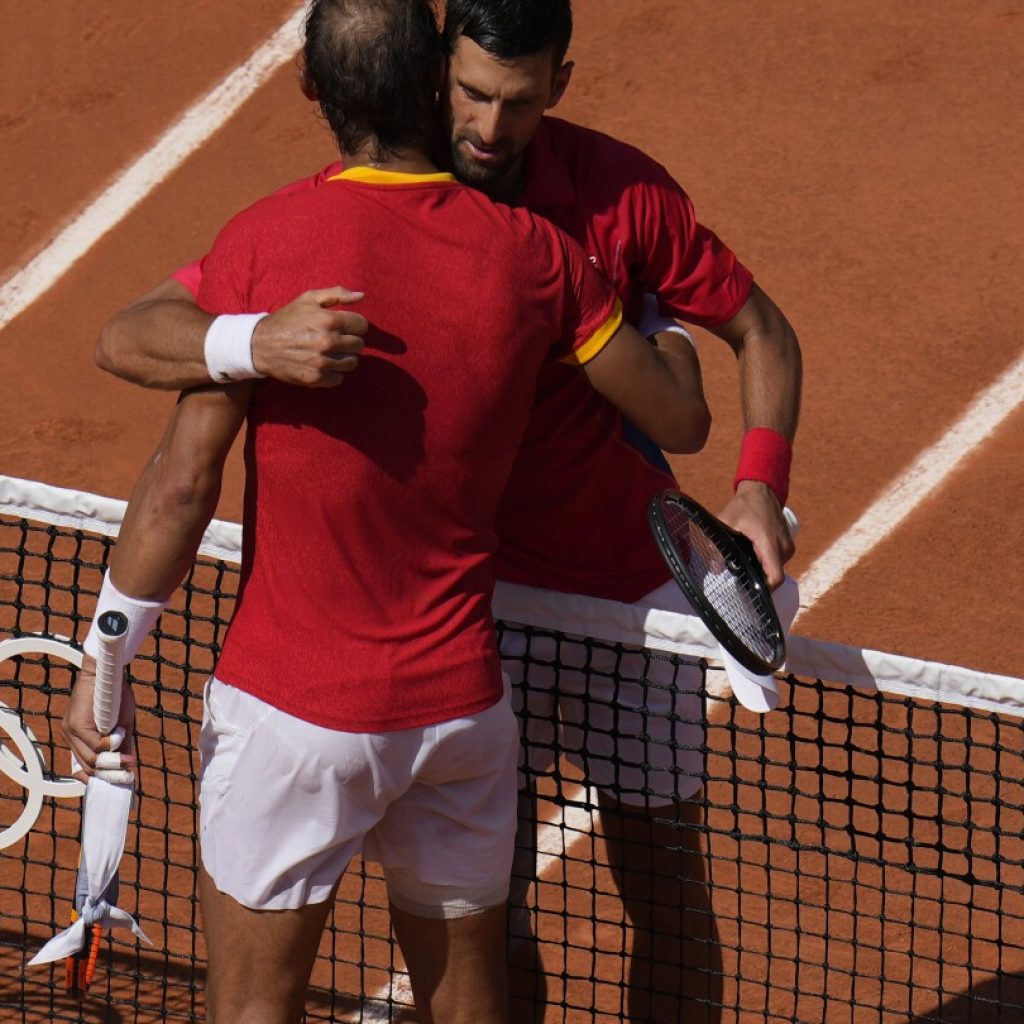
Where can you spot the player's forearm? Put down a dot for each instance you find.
(163, 340)
(176, 495)
(770, 366)
(685, 390)
(158, 341)
(166, 518)
(658, 387)
(770, 382)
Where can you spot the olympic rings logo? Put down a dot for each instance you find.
(28, 767)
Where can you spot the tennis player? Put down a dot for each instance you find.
(507, 69)
(358, 701)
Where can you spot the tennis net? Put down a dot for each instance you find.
(857, 855)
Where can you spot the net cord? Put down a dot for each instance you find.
(609, 621)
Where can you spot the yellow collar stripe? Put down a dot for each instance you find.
(378, 176)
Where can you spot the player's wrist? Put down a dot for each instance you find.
(141, 616)
(258, 348)
(228, 347)
(766, 457)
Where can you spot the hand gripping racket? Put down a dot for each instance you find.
(113, 630)
(718, 571)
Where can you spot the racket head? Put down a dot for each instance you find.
(719, 572)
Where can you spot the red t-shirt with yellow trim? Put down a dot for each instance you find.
(369, 508)
(574, 515)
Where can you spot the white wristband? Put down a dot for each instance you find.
(141, 615)
(652, 322)
(228, 347)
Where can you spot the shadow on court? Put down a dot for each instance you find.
(1000, 1000)
(129, 986)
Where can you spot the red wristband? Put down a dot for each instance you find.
(765, 456)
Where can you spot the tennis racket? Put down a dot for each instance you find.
(718, 571)
(113, 630)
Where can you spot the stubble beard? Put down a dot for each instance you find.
(471, 172)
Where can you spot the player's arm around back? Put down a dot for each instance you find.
(657, 386)
(164, 340)
(157, 340)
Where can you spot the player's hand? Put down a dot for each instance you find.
(79, 725)
(308, 343)
(755, 512)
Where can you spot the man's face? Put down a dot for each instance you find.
(494, 108)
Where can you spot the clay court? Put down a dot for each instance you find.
(862, 158)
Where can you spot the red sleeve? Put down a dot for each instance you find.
(191, 274)
(694, 274)
(592, 312)
(227, 271)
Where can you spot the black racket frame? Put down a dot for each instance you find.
(741, 559)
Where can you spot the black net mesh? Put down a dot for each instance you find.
(853, 857)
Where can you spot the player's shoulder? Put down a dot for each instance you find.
(592, 156)
(285, 197)
(531, 231)
(266, 216)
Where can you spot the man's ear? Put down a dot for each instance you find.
(560, 83)
(305, 80)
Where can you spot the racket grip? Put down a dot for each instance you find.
(791, 521)
(112, 628)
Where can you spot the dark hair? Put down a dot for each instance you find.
(507, 29)
(373, 64)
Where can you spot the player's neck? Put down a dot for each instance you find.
(508, 188)
(403, 161)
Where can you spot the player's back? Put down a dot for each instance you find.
(370, 507)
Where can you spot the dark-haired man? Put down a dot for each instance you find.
(358, 703)
(556, 526)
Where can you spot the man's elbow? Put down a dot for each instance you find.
(687, 432)
(186, 488)
(108, 353)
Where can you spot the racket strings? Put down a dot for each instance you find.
(739, 603)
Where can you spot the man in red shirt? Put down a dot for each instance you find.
(358, 702)
(556, 525)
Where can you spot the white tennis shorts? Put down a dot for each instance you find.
(633, 723)
(285, 805)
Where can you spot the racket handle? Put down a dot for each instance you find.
(791, 521)
(106, 706)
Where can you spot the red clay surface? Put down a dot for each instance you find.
(862, 158)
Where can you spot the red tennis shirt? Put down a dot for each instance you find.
(573, 517)
(369, 509)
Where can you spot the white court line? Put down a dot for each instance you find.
(930, 470)
(194, 128)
